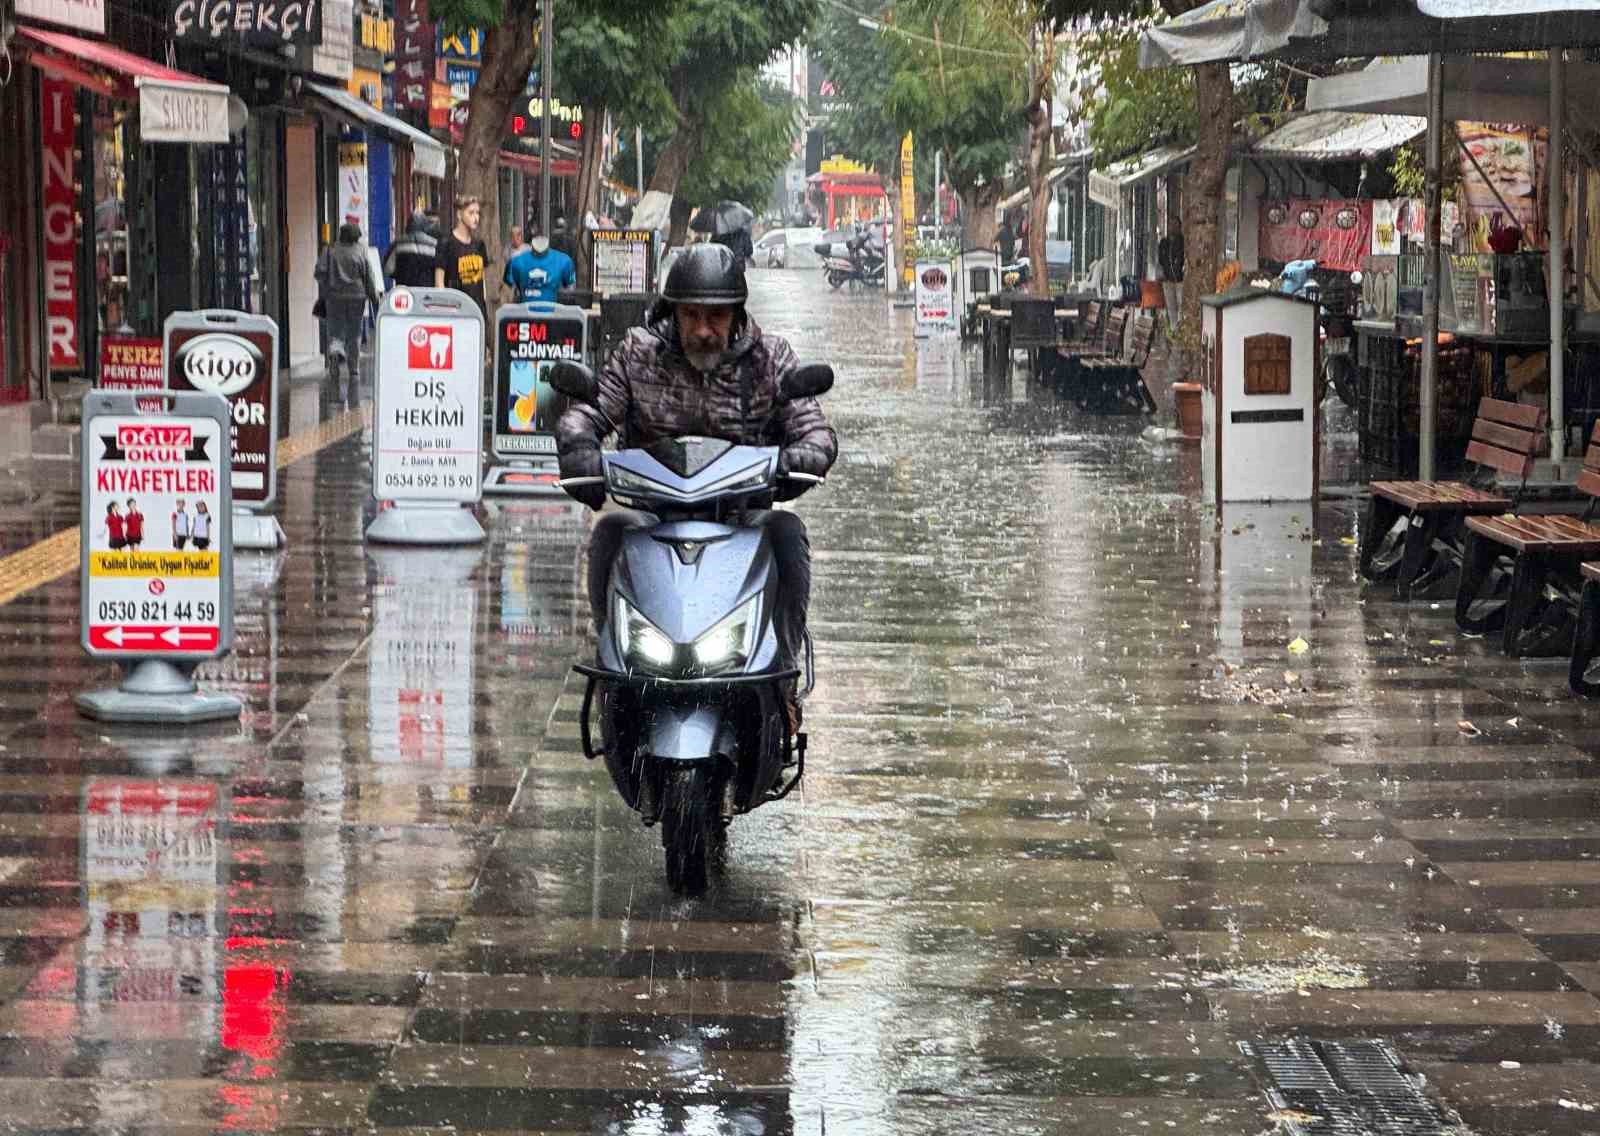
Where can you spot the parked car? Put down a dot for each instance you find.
(787, 248)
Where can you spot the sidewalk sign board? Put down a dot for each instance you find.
(131, 363)
(427, 444)
(157, 559)
(529, 340)
(624, 260)
(235, 354)
(935, 297)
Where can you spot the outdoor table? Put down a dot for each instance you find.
(997, 331)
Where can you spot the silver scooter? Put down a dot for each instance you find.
(689, 678)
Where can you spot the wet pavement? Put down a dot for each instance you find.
(1077, 824)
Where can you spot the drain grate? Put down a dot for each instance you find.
(1346, 1088)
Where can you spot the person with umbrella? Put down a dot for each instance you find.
(728, 223)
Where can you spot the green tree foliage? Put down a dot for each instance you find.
(750, 131)
(712, 45)
(1132, 110)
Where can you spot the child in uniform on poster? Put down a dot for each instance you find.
(133, 525)
(116, 527)
(200, 529)
(180, 526)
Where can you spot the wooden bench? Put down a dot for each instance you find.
(1114, 384)
(1505, 436)
(1586, 633)
(1546, 553)
(1065, 363)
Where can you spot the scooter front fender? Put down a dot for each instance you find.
(688, 732)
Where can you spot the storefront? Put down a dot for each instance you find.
(82, 216)
(1139, 197)
(843, 192)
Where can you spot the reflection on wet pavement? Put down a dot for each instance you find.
(1077, 823)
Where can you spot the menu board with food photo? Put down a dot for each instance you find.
(1499, 179)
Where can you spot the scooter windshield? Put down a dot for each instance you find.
(688, 456)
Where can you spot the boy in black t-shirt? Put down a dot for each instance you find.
(463, 259)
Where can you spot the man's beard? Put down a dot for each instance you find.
(704, 361)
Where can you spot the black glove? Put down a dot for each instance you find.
(784, 489)
(584, 463)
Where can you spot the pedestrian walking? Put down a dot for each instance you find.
(463, 258)
(200, 532)
(411, 258)
(180, 526)
(514, 248)
(346, 287)
(133, 525)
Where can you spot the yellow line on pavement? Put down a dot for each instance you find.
(55, 556)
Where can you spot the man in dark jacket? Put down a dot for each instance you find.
(702, 366)
(410, 260)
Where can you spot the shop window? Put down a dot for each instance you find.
(111, 245)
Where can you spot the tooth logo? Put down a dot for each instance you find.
(430, 348)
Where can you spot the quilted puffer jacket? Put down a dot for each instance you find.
(651, 391)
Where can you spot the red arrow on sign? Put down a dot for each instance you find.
(154, 639)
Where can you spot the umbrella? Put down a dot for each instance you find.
(722, 218)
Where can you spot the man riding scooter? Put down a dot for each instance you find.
(701, 366)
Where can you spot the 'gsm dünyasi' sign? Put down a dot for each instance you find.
(250, 23)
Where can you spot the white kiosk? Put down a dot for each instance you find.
(1259, 366)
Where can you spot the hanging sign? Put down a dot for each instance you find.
(428, 436)
(157, 576)
(413, 55)
(530, 340)
(233, 354)
(58, 140)
(248, 23)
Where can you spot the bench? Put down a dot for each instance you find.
(1586, 633)
(1114, 384)
(1096, 343)
(1546, 554)
(1505, 436)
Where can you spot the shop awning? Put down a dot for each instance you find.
(1476, 89)
(1065, 168)
(427, 153)
(531, 163)
(1336, 136)
(1328, 30)
(173, 106)
(1106, 186)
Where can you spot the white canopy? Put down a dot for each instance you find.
(1476, 89)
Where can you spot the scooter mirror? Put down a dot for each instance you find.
(810, 381)
(575, 381)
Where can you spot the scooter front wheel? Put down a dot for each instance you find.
(835, 280)
(691, 830)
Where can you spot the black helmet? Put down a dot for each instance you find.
(706, 274)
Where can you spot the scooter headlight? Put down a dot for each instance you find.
(641, 641)
(731, 642)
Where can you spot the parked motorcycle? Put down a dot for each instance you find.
(688, 676)
(862, 265)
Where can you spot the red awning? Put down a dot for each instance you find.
(174, 106)
(530, 163)
(77, 60)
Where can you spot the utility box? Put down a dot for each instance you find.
(1259, 360)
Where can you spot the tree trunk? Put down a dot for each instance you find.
(979, 225)
(1203, 190)
(676, 157)
(508, 53)
(679, 232)
(1039, 139)
(588, 196)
